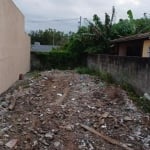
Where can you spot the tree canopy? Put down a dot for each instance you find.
(95, 38)
(48, 37)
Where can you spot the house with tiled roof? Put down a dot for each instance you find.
(134, 45)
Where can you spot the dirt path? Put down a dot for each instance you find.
(49, 110)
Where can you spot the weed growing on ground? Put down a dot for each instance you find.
(141, 102)
(102, 75)
(34, 74)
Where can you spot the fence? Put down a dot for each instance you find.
(133, 70)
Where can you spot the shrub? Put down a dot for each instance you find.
(141, 102)
(57, 60)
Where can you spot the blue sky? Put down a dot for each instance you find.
(64, 15)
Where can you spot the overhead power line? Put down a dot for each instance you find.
(51, 20)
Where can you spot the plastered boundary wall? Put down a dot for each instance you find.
(133, 70)
(14, 45)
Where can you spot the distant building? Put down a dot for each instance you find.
(134, 45)
(37, 47)
(14, 45)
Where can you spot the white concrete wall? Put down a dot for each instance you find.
(14, 45)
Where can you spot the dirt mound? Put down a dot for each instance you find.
(47, 113)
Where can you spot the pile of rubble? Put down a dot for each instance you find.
(62, 110)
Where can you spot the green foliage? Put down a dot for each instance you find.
(141, 102)
(102, 75)
(122, 28)
(75, 47)
(96, 36)
(130, 15)
(34, 74)
(58, 60)
(48, 37)
(85, 70)
(142, 25)
(130, 26)
(93, 38)
(97, 49)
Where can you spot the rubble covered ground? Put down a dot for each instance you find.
(48, 112)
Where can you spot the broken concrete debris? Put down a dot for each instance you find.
(49, 135)
(1, 143)
(59, 94)
(66, 111)
(12, 143)
(147, 96)
(68, 127)
(126, 118)
(57, 144)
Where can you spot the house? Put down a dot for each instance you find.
(135, 45)
(14, 45)
(37, 47)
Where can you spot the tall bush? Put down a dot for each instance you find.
(57, 60)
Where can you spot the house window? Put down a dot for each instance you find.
(149, 52)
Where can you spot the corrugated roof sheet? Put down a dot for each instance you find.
(132, 37)
(42, 48)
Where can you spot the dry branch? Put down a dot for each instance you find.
(109, 139)
(13, 103)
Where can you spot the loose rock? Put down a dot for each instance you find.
(12, 143)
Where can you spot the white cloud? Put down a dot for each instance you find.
(122, 2)
(59, 9)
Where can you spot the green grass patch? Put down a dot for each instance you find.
(141, 102)
(57, 60)
(33, 74)
(102, 75)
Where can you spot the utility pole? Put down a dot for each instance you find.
(53, 37)
(80, 22)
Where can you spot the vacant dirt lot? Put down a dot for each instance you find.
(62, 110)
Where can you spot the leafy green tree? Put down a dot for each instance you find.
(48, 37)
(95, 38)
(102, 33)
(142, 25)
(122, 28)
(130, 26)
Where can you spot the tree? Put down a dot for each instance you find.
(95, 38)
(131, 26)
(122, 28)
(48, 37)
(102, 33)
(142, 25)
